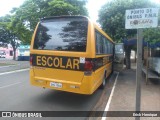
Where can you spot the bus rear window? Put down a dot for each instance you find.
(62, 34)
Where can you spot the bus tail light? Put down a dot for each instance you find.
(88, 67)
(31, 60)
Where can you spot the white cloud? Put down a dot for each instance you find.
(7, 5)
(93, 8)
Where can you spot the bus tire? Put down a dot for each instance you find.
(102, 86)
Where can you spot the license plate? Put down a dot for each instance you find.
(56, 85)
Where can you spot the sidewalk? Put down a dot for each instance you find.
(125, 95)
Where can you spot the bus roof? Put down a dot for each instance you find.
(64, 16)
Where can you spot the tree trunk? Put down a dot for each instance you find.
(14, 53)
(14, 44)
(127, 57)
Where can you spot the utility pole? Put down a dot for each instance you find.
(139, 70)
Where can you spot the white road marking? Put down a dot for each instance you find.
(14, 71)
(110, 98)
(10, 85)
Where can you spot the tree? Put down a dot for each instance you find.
(152, 35)
(21, 24)
(8, 34)
(29, 13)
(112, 20)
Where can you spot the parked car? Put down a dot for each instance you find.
(2, 55)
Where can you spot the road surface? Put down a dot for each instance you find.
(18, 95)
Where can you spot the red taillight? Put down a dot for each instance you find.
(88, 67)
(31, 60)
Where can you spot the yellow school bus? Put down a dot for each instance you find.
(70, 53)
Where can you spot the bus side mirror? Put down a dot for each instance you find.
(118, 57)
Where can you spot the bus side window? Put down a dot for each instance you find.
(98, 43)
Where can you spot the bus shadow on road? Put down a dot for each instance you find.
(69, 101)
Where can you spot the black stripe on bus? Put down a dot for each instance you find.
(67, 63)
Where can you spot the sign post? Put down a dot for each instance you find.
(138, 19)
(139, 70)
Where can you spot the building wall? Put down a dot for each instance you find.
(23, 51)
(8, 51)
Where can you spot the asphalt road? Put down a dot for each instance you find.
(18, 95)
(12, 65)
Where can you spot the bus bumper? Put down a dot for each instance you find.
(85, 87)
